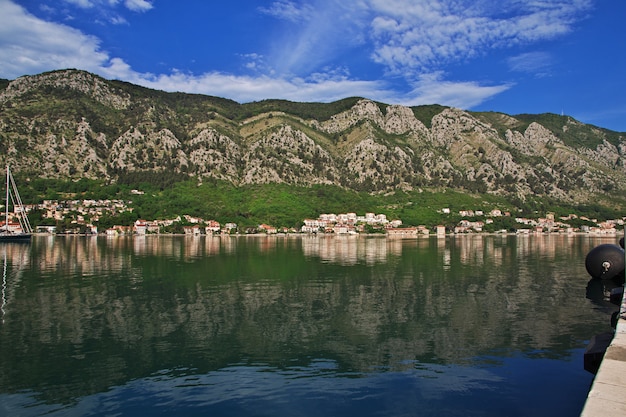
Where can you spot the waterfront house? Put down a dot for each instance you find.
(343, 229)
(140, 227)
(13, 227)
(212, 227)
(194, 230)
(270, 230)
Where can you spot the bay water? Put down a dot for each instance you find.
(476, 325)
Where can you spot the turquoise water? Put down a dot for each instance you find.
(298, 326)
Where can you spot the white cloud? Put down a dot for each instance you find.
(254, 61)
(135, 5)
(29, 45)
(288, 10)
(431, 88)
(138, 5)
(420, 36)
(85, 4)
(246, 88)
(411, 37)
(318, 88)
(118, 20)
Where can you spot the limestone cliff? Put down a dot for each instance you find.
(72, 124)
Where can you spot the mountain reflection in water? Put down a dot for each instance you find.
(469, 325)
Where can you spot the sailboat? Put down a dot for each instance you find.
(10, 231)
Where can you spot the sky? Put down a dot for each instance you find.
(510, 56)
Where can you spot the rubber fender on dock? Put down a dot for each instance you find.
(605, 261)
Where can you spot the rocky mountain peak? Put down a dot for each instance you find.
(356, 144)
(79, 81)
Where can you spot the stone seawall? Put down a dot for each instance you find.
(607, 396)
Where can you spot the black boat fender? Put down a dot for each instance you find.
(605, 261)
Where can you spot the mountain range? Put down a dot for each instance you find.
(71, 124)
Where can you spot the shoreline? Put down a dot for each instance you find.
(605, 397)
(352, 235)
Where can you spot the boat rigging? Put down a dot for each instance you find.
(12, 231)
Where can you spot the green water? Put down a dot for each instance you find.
(306, 326)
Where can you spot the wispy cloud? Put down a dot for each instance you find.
(135, 5)
(118, 20)
(432, 88)
(138, 5)
(415, 37)
(85, 4)
(411, 39)
(288, 10)
(536, 63)
(317, 34)
(321, 87)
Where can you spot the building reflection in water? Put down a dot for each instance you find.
(350, 250)
(87, 256)
(133, 307)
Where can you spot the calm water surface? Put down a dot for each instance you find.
(297, 326)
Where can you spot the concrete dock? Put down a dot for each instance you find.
(607, 396)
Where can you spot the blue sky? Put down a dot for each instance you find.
(511, 56)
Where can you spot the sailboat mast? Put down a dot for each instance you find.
(18, 207)
(13, 196)
(6, 205)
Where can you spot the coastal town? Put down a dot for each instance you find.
(83, 215)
